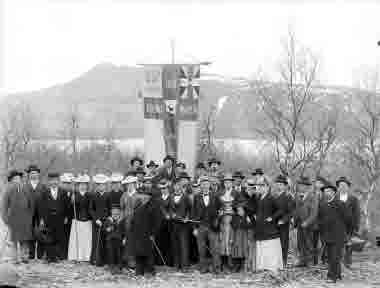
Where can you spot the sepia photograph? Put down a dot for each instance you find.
(174, 143)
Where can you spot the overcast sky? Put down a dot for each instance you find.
(50, 42)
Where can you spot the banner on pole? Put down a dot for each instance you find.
(171, 104)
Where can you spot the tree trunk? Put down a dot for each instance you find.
(366, 210)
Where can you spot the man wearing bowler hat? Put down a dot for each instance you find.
(53, 212)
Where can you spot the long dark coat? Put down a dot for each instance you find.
(18, 211)
(266, 230)
(335, 220)
(145, 223)
(53, 212)
(35, 194)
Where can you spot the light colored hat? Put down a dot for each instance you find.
(129, 180)
(100, 179)
(67, 178)
(82, 179)
(116, 177)
(204, 179)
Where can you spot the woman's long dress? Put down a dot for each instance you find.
(80, 243)
(226, 232)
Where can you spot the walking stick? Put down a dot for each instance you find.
(76, 227)
(158, 251)
(97, 244)
(5, 244)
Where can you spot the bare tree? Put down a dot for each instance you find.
(364, 147)
(18, 128)
(288, 116)
(71, 129)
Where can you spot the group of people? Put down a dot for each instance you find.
(159, 215)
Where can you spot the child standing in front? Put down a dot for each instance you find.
(240, 226)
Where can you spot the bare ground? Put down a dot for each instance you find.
(365, 273)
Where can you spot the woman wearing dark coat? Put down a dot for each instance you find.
(145, 223)
(100, 211)
(18, 212)
(269, 252)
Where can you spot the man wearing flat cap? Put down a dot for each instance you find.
(305, 218)
(352, 204)
(214, 168)
(53, 212)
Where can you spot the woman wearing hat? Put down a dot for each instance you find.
(18, 211)
(81, 228)
(127, 202)
(227, 197)
(100, 211)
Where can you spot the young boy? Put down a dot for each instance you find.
(334, 219)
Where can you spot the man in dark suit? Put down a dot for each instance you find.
(334, 220)
(285, 205)
(53, 211)
(35, 188)
(180, 209)
(305, 218)
(238, 179)
(352, 204)
(167, 171)
(145, 224)
(205, 210)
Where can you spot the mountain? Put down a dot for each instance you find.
(109, 96)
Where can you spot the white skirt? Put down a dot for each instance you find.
(269, 255)
(80, 243)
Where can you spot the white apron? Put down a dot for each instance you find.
(269, 255)
(80, 243)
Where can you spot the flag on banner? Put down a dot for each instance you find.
(171, 111)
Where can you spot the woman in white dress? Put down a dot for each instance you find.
(268, 244)
(80, 242)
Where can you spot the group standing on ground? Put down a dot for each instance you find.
(222, 222)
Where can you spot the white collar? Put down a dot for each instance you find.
(344, 197)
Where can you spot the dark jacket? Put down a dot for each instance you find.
(100, 206)
(53, 212)
(334, 219)
(82, 207)
(266, 230)
(35, 194)
(145, 223)
(307, 211)
(18, 211)
(180, 210)
(285, 208)
(353, 206)
(208, 216)
(240, 222)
